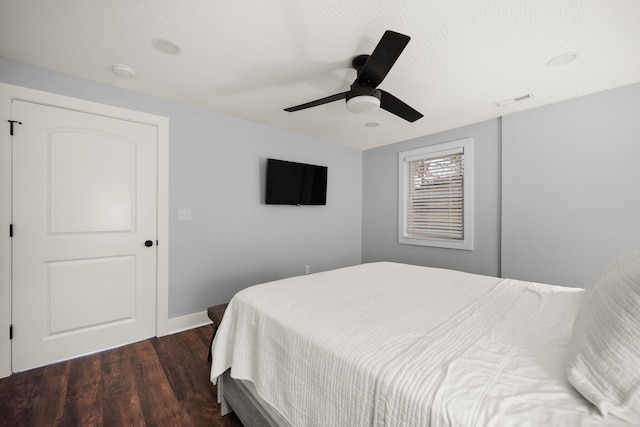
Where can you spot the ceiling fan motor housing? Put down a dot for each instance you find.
(358, 62)
(358, 90)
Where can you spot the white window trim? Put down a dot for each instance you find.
(465, 144)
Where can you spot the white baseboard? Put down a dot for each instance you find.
(190, 321)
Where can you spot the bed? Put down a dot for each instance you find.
(389, 344)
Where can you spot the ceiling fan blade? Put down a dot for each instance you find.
(382, 59)
(395, 106)
(336, 97)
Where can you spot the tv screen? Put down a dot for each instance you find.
(291, 183)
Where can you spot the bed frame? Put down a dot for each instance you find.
(235, 397)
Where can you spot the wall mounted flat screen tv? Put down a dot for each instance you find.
(291, 183)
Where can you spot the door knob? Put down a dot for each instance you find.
(148, 243)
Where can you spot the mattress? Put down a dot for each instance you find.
(387, 344)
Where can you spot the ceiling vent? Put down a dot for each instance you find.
(512, 100)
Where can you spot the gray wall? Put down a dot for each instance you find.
(380, 204)
(235, 240)
(216, 168)
(571, 187)
(557, 192)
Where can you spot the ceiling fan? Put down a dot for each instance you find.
(372, 69)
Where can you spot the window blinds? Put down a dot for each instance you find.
(435, 191)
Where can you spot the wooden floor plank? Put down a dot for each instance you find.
(82, 405)
(205, 335)
(15, 398)
(159, 404)
(158, 382)
(49, 395)
(184, 376)
(120, 404)
(196, 397)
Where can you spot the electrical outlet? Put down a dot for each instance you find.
(307, 269)
(184, 214)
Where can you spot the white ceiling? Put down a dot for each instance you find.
(251, 59)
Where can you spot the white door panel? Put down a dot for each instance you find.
(84, 203)
(92, 182)
(108, 297)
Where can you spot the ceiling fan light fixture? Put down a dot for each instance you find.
(363, 104)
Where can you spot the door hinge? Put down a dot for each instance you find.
(10, 230)
(10, 332)
(12, 122)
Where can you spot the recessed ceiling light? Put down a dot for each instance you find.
(123, 70)
(165, 46)
(563, 59)
(372, 124)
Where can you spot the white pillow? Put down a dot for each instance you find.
(604, 355)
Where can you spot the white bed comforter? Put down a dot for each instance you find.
(387, 344)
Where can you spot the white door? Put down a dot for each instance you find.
(84, 204)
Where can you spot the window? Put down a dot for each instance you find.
(436, 195)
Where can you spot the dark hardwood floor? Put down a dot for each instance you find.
(157, 382)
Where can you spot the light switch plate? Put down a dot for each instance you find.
(184, 214)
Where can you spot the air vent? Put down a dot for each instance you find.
(512, 100)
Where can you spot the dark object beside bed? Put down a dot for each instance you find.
(215, 313)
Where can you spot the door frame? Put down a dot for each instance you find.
(7, 94)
